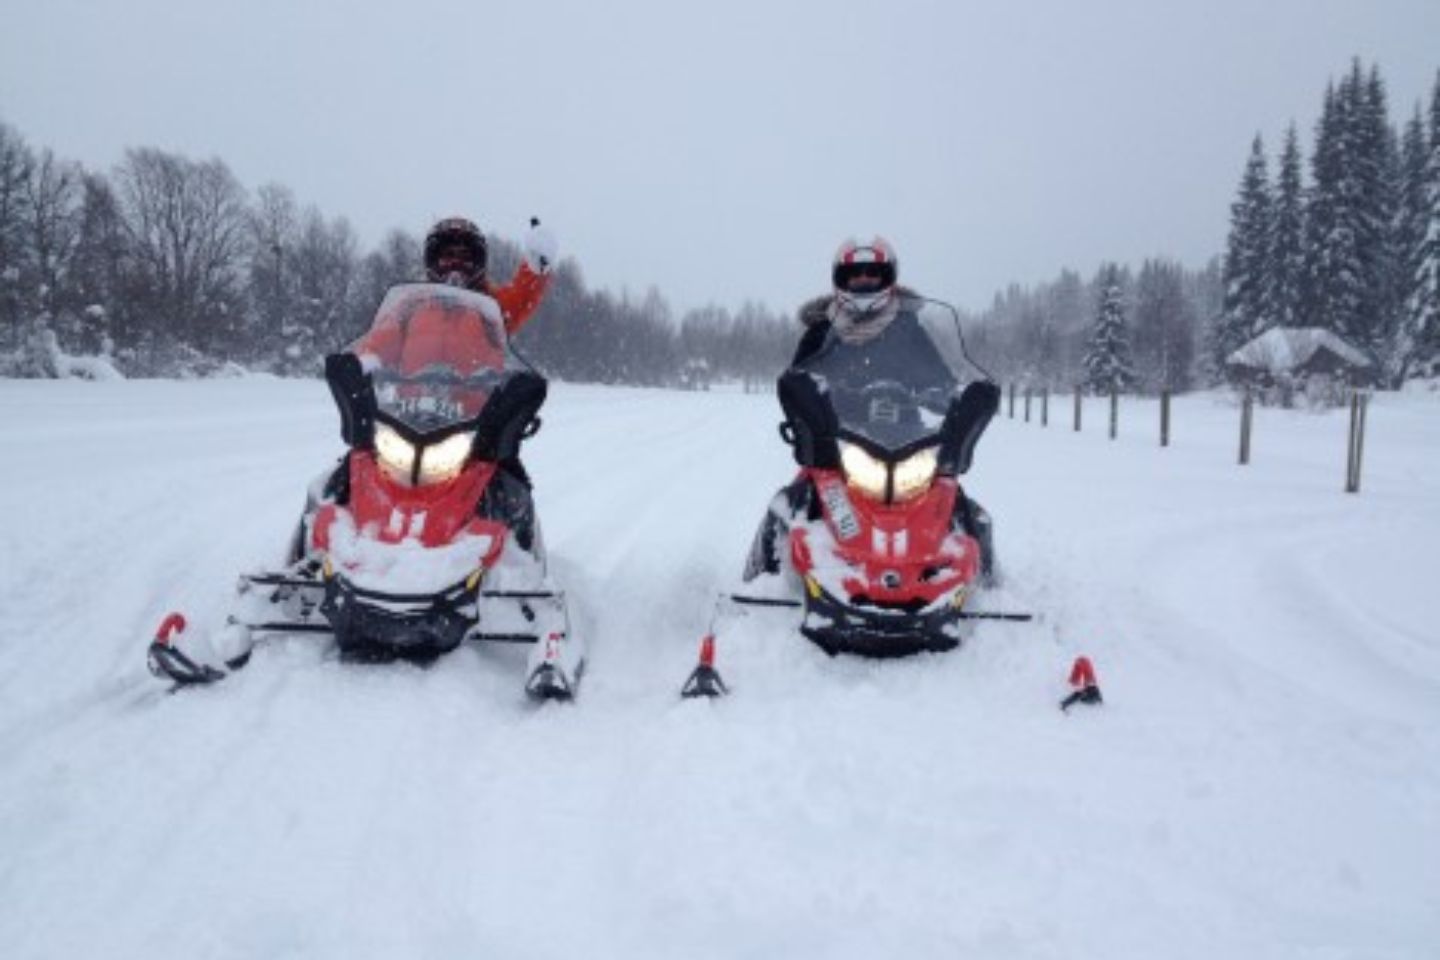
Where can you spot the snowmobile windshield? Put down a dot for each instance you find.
(891, 391)
(436, 353)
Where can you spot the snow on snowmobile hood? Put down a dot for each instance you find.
(405, 567)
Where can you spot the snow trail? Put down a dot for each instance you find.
(1261, 782)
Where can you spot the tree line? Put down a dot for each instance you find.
(1354, 250)
(1122, 329)
(169, 266)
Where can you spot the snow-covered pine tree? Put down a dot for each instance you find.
(1331, 263)
(1377, 158)
(1164, 322)
(1350, 257)
(1287, 241)
(1423, 308)
(1205, 291)
(1107, 362)
(1410, 223)
(1245, 312)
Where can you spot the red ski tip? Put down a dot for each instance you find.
(172, 624)
(1082, 674)
(707, 650)
(1082, 679)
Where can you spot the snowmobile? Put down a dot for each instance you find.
(424, 537)
(875, 541)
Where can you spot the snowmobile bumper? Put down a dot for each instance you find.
(874, 631)
(371, 625)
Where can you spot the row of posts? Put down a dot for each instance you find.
(1359, 405)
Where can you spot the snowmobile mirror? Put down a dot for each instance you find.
(965, 420)
(507, 416)
(354, 395)
(811, 419)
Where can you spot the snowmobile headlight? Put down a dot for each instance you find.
(914, 473)
(444, 460)
(864, 472)
(396, 453)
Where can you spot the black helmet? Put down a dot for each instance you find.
(455, 253)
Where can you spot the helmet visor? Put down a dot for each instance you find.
(455, 251)
(871, 277)
(456, 256)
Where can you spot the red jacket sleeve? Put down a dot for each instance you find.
(519, 298)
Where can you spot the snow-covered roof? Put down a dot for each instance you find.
(1285, 348)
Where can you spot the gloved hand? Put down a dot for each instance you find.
(540, 247)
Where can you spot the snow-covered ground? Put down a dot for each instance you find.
(1263, 781)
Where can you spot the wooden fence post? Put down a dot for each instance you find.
(1360, 441)
(1246, 415)
(1114, 412)
(1027, 404)
(1164, 418)
(1359, 404)
(1044, 406)
(1012, 401)
(1350, 444)
(1077, 409)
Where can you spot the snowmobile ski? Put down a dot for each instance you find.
(704, 680)
(1084, 688)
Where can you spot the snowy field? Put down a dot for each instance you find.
(1263, 781)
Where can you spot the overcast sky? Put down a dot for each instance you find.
(722, 150)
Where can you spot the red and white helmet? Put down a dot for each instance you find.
(864, 274)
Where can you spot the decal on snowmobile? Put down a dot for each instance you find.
(429, 407)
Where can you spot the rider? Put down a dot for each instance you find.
(865, 300)
(456, 254)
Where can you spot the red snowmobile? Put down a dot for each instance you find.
(425, 536)
(875, 540)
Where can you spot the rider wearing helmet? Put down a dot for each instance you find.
(865, 297)
(865, 300)
(456, 253)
